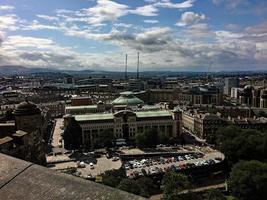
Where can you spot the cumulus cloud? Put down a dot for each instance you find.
(148, 10)
(190, 18)
(106, 10)
(9, 22)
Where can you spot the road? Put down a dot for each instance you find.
(57, 133)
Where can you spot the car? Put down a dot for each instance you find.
(108, 155)
(218, 158)
(127, 167)
(115, 158)
(91, 166)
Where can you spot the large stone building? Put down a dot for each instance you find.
(200, 95)
(126, 124)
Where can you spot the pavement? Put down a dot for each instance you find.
(57, 133)
(103, 164)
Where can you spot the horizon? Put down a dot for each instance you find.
(171, 35)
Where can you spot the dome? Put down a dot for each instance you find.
(248, 87)
(127, 98)
(26, 108)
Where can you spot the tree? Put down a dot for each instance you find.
(214, 195)
(129, 185)
(241, 144)
(248, 180)
(147, 139)
(173, 184)
(113, 177)
(147, 187)
(105, 139)
(72, 135)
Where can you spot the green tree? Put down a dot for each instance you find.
(129, 185)
(173, 184)
(248, 180)
(105, 139)
(149, 138)
(214, 195)
(72, 135)
(241, 144)
(147, 187)
(113, 177)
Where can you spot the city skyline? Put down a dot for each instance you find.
(177, 35)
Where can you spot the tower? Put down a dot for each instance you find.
(138, 64)
(126, 75)
(28, 118)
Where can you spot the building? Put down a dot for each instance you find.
(81, 110)
(263, 99)
(202, 125)
(229, 83)
(200, 95)
(27, 141)
(126, 124)
(235, 92)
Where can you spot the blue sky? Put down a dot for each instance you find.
(177, 35)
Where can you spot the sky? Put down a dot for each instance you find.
(175, 35)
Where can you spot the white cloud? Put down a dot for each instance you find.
(190, 18)
(6, 8)
(151, 21)
(148, 10)
(169, 4)
(9, 22)
(105, 10)
(46, 17)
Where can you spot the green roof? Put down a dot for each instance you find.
(127, 98)
(157, 113)
(94, 117)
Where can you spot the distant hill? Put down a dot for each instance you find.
(21, 70)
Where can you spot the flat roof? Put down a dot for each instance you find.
(94, 117)
(109, 116)
(81, 107)
(5, 140)
(156, 113)
(20, 133)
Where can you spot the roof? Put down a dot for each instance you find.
(94, 117)
(26, 108)
(20, 133)
(127, 98)
(26, 181)
(5, 140)
(157, 113)
(81, 107)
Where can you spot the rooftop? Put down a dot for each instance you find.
(81, 107)
(26, 181)
(110, 116)
(5, 140)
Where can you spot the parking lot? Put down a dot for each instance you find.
(101, 165)
(159, 164)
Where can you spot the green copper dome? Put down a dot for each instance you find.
(127, 98)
